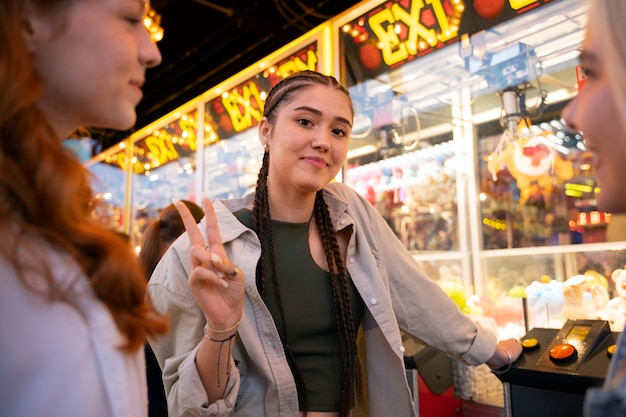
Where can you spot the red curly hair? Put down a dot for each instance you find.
(45, 194)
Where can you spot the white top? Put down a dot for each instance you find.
(60, 358)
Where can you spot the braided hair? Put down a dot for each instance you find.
(261, 218)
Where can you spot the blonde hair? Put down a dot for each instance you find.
(606, 21)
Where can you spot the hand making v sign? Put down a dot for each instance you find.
(216, 282)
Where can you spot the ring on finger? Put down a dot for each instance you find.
(232, 274)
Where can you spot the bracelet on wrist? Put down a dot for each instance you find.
(220, 331)
(500, 371)
(206, 334)
(228, 339)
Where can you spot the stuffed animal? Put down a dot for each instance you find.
(615, 309)
(545, 303)
(532, 163)
(455, 291)
(584, 296)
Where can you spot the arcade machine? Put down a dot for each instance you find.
(557, 367)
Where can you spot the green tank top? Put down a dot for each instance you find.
(306, 293)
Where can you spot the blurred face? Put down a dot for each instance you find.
(92, 57)
(308, 142)
(594, 113)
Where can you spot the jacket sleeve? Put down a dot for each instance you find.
(176, 351)
(421, 307)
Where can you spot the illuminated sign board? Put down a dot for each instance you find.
(166, 144)
(241, 107)
(399, 31)
(118, 159)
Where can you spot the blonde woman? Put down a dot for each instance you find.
(599, 113)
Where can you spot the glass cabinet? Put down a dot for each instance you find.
(458, 142)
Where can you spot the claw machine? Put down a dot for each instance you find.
(458, 142)
(109, 172)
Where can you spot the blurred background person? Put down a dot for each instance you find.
(162, 231)
(157, 237)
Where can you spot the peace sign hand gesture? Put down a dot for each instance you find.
(216, 283)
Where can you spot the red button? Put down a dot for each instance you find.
(562, 352)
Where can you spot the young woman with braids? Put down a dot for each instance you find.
(73, 309)
(296, 308)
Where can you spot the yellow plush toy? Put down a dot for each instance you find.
(532, 163)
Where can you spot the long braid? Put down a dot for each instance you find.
(261, 221)
(346, 333)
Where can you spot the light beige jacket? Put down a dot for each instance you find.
(396, 293)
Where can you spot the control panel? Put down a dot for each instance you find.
(573, 344)
(557, 367)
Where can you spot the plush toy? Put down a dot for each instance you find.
(455, 291)
(532, 163)
(584, 296)
(545, 303)
(450, 282)
(615, 309)
(481, 305)
(599, 289)
(597, 278)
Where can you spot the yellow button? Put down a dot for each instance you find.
(562, 352)
(530, 343)
(611, 350)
